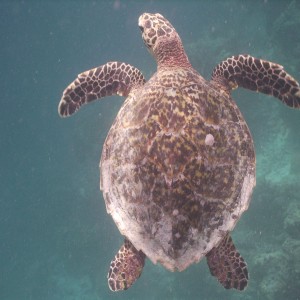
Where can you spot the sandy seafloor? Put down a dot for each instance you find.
(56, 239)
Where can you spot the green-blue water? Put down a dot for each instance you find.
(56, 240)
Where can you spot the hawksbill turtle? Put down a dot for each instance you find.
(178, 165)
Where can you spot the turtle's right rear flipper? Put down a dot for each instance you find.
(258, 75)
(226, 263)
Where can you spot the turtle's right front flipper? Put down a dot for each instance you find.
(258, 75)
(107, 80)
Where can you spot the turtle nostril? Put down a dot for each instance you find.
(141, 28)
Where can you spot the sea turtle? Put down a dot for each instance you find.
(178, 165)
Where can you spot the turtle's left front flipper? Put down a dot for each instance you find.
(113, 78)
(126, 267)
(226, 263)
(258, 75)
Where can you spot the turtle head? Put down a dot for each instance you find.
(155, 28)
(162, 40)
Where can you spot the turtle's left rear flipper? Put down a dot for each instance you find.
(126, 267)
(226, 263)
(258, 75)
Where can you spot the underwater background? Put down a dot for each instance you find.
(56, 240)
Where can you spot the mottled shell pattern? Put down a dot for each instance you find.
(173, 138)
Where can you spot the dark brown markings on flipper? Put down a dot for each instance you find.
(109, 79)
(258, 75)
(226, 263)
(126, 267)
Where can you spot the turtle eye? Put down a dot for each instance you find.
(141, 28)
